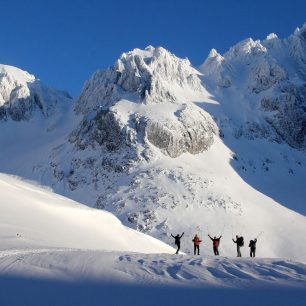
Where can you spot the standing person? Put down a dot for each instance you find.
(240, 243)
(196, 244)
(252, 246)
(216, 242)
(177, 241)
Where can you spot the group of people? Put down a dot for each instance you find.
(216, 242)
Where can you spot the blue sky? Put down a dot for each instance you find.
(64, 42)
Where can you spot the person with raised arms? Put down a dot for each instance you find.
(177, 241)
(216, 243)
(196, 244)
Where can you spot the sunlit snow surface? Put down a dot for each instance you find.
(58, 252)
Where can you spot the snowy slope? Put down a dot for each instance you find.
(32, 217)
(57, 252)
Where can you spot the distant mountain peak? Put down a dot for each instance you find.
(271, 36)
(21, 95)
(15, 73)
(300, 31)
(247, 47)
(213, 53)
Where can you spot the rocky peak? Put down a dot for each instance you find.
(297, 49)
(213, 60)
(272, 42)
(129, 96)
(270, 75)
(301, 32)
(13, 83)
(151, 75)
(245, 49)
(21, 94)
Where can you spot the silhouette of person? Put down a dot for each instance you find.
(177, 241)
(252, 246)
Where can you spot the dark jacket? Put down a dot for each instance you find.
(252, 244)
(177, 238)
(239, 241)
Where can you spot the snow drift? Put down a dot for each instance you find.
(33, 217)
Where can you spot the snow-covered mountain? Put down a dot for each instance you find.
(22, 95)
(261, 89)
(169, 148)
(161, 88)
(263, 80)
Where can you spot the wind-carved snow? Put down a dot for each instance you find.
(21, 95)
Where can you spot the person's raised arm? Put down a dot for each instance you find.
(172, 236)
(182, 235)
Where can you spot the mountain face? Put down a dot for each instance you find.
(269, 77)
(21, 95)
(161, 87)
(170, 148)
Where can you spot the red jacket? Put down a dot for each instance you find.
(196, 240)
(216, 241)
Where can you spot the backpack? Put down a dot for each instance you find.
(252, 244)
(240, 241)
